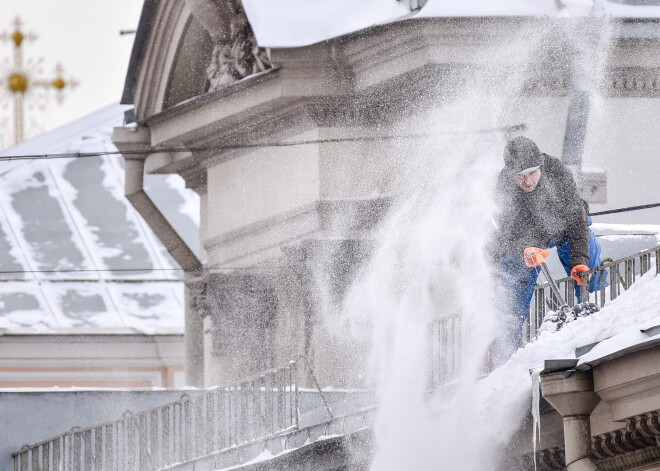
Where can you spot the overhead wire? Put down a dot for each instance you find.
(338, 140)
(69, 155)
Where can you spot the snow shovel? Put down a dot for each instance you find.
(553, 321)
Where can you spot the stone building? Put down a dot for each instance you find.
(296, 151)
(296, 129)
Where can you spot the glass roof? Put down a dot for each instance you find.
(74, 254)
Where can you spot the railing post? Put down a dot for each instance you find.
(57, 457)
(87, 450)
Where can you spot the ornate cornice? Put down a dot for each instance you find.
(548, 459)
(633, 82)
(637, 444)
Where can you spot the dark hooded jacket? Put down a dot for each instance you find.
(553, 211)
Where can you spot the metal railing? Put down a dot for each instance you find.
(445, 346)
(618, 275)
(199, 423)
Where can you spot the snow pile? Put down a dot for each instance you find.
(493, 408)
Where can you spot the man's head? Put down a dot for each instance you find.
(523, 159)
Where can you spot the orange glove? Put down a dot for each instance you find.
(576, 271)
(534, 256)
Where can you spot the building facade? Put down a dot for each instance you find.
(298, 152)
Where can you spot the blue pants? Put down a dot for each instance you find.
(519, 280)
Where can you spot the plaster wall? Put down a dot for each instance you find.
(260, 185)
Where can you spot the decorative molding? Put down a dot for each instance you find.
(633, 82)
(549, 459)
(637, 444)
(641, 431)
(198, 289)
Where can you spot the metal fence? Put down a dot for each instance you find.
(618, 275)
(445, 340)
(199, 423)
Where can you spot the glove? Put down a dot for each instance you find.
(535, 256)
(576, 271)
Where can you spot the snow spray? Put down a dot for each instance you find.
(430, 269)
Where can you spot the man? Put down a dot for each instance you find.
(540, 206)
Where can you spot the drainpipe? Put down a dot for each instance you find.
(585, 37)
(139, 138)
(572, 395)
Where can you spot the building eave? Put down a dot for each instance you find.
(138, 52)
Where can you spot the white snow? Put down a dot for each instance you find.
(632, 11)
(466, 8)
(292, 23)
(619, 232)
(501, 398)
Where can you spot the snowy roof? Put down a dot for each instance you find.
(291, 23)
(74, 254)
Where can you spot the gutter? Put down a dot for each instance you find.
(585, 35)
(139, 138)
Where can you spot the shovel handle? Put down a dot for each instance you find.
(553, 286)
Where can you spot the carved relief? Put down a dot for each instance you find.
(633, 81)
(549, 459)
(235, 53)
(552, 459)
(629, 447)
(635, 445)
(197, 286)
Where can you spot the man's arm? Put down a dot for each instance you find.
(577, 222)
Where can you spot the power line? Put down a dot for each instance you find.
(624, 210)
(339, 140)
(84, 270)
(111, 270)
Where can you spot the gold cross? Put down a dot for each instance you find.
(18, 78)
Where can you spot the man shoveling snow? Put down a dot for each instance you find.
(540, 207)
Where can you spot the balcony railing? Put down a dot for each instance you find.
(445, 343)
(620, 275)
(445, 333)
(199, 423)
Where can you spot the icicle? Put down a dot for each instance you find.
(536, 409)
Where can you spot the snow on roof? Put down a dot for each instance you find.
(69, 239)
(503, 396)
(291, 23)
